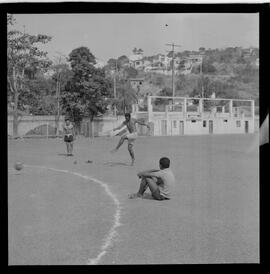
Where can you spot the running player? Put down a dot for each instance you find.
(69, 136)
(131, 136)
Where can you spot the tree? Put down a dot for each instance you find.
(204, 88)
(135, 51)
(22, 54)
(62, 74)
(123, 61)
(164, 101)
(130, 72)
(126, 96)
(170, 54)
(85, 94)
(113, 64)
(37, 96)
(207, 66)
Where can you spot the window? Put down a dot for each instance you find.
(174, 124)
(225, 121)
(204, 123)
(193, 121)
(238, 123)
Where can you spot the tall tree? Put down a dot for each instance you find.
(62, 74)
(88, 88)
(126, 96)
(123, 60)
(37, 96)
(22, 53)
(167, 91)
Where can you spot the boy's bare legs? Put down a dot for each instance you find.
(131, 152)
(120, 143)
(145, 182)
(70, 148)
(67, 148)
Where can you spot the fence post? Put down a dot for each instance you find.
(231, 108)
(185, 108)
(253, 109)
(47, 130)
(92, 129)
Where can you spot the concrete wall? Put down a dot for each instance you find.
(195, 127)
(192, 123)
(27, 123)
(195, 121)
(102, 126)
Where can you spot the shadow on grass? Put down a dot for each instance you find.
(148, 196)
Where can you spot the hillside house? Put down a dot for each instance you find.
(136, 60)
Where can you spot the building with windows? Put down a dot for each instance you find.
(136, 60)
(169, 116)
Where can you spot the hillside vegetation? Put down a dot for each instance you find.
(228, 73)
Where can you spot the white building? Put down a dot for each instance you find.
(195, 59)
(136, 60)
(196, 116)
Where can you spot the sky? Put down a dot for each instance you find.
(112, 35)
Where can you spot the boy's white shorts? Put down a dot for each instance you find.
(132, 135)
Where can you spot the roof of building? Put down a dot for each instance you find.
(135, 57)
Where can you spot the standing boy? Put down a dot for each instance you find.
(131, 136)
(160, 182)
(69, 136)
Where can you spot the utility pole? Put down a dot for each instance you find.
(173, 87)
(202, 95)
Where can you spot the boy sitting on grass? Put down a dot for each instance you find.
(160, 182)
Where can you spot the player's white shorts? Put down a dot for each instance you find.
(131, 136)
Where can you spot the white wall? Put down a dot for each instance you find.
(196, 128)
(30, 122)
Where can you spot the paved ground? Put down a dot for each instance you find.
(59, 218)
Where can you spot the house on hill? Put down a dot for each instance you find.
(195, 58)
(136, 60)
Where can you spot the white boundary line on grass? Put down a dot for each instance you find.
(108, 240)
